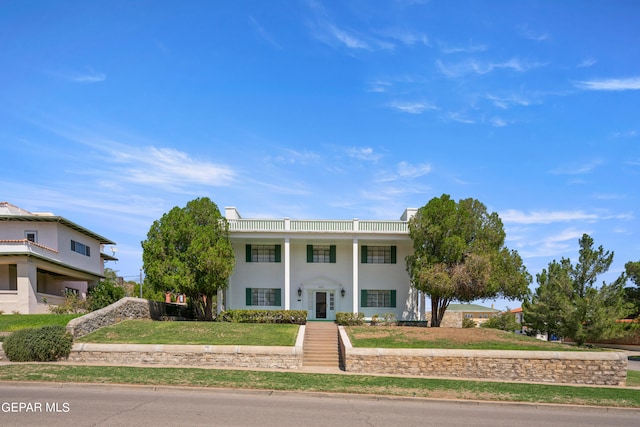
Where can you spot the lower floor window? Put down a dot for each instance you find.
(378, 298)
(264, 297)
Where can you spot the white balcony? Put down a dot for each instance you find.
(318, 226)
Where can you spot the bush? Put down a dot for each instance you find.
(296, 317)
(104, 294)
(504, 321)
(468, 323)
(72, 304)
(350, 319)
(44, 344)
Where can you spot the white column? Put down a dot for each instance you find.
(287, 274)
(355, 290)
(27, 286)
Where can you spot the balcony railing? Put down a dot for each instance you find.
(25, 246)
(318, 226)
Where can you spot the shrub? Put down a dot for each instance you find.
(350, 319)
(468, 323)
(389, 318)
(104, 294)
(296, 317)
(504, 321)
(72, 304)
(44, 344)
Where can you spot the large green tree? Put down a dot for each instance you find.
(568, 302)
(459, 255)
(632, 293)
(188, 251)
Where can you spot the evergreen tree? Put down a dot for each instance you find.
(459, 255)
(188, 251)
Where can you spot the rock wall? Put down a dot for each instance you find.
(124, 309)
(196, 356)
(596, 368)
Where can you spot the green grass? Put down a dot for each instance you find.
(211, 333)
(448, 338)
(334, 383)
(14, 322)
(633, 378)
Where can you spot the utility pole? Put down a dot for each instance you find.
(140, 283)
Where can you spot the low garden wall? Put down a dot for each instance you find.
(124, 309)
(569, 367)
(220, 356)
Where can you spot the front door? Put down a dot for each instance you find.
(321, 305)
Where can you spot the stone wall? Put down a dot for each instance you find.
(570, 367)
(195, 356)
(124, 309)
(220, 356)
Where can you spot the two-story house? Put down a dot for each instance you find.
(322, 266)
(44, 256)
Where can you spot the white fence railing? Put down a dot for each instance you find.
(318, 226)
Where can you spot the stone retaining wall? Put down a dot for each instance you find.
(124, 309)
(596, 368)
(221, 356)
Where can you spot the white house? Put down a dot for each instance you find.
(322, 266)
(42, 256)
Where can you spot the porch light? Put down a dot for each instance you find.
(299, 291)
(342, 292)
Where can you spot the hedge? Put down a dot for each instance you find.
(349, 319)
(296, 317)
(44, 344)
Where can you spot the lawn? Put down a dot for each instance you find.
(332, 383)
(447, 338)
(205, 333)
(14, 322)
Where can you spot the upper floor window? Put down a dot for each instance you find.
(321, 253)
(31, 235)
(263, 253)
(80, 248)
(378, 255)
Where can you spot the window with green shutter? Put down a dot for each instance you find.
(378, 298)
(263, 253)
(379, 255)
(321, 254)
(264, 297)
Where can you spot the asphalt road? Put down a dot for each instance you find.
(54, 405)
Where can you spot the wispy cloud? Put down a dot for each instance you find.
(290, 156)
(498, 122)
(460, 118)
(627, 134)
(474, 66)
(631, 83)
(506, 102)
(405, 36)
(469, 48)
(407, 170)
(264, 34)
(379, 86)
(364, 153)
(587, 63)
(90, 76)
(577, 169)
(546, 217)
(418, 107)
(530, 34)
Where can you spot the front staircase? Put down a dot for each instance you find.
(321, 345)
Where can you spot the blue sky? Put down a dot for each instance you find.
(113, 112)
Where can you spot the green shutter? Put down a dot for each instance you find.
(332, 254)
(363, 298)
(248, 253)
(393, 256)
(393, 298)
(309, 253)
(278, 297)
(363, 258)
(248, 301)
(278, 254)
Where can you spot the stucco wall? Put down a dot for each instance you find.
(596, 368)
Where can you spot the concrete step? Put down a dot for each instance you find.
(321, 345)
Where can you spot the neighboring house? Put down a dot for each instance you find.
(44, 256)
(322, 266)
(477, 313)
